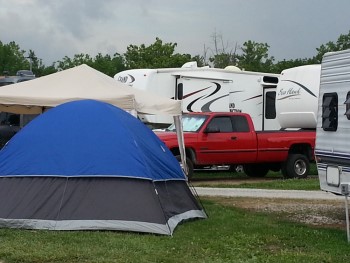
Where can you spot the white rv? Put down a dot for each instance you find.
(297, 97)
(209, 89)
(332, 148)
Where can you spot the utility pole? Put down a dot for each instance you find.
(30, 63)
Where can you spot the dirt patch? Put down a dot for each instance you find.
(326, 213)
(235, 181)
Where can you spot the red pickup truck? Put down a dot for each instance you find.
(229, 138)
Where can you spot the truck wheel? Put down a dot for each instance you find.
(255, 170)
(189, 166)
(236, 168)
(296, 166)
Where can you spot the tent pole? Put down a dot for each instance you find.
(347, 217)
(181, 141)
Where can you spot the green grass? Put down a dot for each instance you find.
(228, 235)
(274, 180)
(309, 184)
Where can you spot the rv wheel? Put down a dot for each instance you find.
(189, 166)
(297, 166)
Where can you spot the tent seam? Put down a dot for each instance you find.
(61, 202)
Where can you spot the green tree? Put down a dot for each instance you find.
(255, 57)
(223, 60)
(37, 66)
(12, 58)
(342, 43)
(285, 64)
(200, 60)
(223, 54)
(103, 63)
(108, 65)
(77, 60)
(157, 55)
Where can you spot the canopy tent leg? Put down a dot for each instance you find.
(181, 141)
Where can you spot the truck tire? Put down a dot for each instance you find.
(189, 166)
(296, 166)
(255, 170)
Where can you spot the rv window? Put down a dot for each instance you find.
(269, 79)
(347, 103)
(330, 112)
(270, 105)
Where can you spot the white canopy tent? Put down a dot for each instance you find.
(83, 82)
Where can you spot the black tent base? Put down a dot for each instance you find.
(96, 203)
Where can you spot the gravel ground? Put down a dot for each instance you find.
(316, 208)
(266, 193)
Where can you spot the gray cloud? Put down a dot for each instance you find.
(54, 29)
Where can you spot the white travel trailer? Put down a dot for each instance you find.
(209, 89)
(332, 148)
(297, 97)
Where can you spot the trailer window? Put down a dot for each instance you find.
(270, 105)
(347, 103)
(330, 111)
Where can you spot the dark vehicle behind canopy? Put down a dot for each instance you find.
(11, 123)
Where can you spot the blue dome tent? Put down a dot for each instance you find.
(90, 165)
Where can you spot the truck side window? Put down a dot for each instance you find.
(240, 124)
(330, 111)
(223, 123)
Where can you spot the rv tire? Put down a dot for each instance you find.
(189, 164)
(296, 166)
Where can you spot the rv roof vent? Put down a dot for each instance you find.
(269, 79)
(191, 64)
(233, 68)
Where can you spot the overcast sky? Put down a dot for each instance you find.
(58, 28)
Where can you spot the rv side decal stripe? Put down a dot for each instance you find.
(332, 154)
(302, 86)
(206, 107)
(323, 167)
(333, 159)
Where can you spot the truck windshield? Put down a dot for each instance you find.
(190, 123)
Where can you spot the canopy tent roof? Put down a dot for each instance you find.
(81, 82)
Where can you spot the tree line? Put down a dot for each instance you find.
(251, 56)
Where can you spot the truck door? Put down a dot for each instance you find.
(270, 121)
(228, 140)
(204, 94)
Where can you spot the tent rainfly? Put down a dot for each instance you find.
(90, 165)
